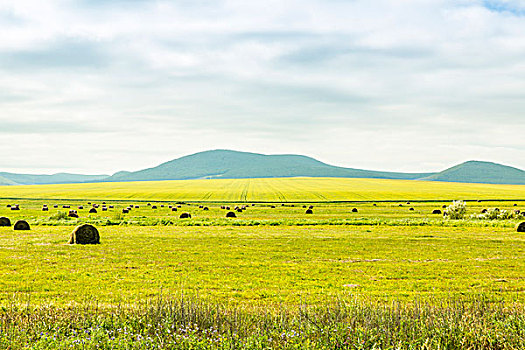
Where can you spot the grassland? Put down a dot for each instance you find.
(386, 277)
(270, 190)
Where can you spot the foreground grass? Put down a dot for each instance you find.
(194, 324)
(264, 265)
(391, 276)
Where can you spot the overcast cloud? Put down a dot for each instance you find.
(102, 86)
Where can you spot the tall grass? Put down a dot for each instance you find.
(191, 323)
(153, 221)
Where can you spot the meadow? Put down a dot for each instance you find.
(390, 276)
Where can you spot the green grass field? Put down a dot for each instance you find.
(384, 277)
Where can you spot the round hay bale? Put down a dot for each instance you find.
(444, 206)
(45, 209)
(5, 221)
(238, 210)
(411, 209)
(92, 211)
(137, 207)
(227, 208)
(111, 207)
(85, 234)
(173, 209)
(162, 205)
(408, 203)
(149, 204)
(153, 207)
(55, 206)
(9, 205)
(273, 207)
(205, 209)
(354, 210)
(185, 216)
(104, 209)
(309, 211)
(436, 212)
(400, 205)
(125, 211)
(515, 205)
(304, 206)
(521, 227)
(375, 205)
(311, 207)
(21, 225)
(231, 214)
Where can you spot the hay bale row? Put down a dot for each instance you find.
(20, 225)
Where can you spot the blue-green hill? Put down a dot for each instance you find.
(480, 172)
(224, 164)
(61, 178)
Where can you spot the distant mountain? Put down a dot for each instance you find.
(225, 164)
(480, 172)
(60, 178)
(4, 181)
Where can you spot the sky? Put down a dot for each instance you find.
(99, 86)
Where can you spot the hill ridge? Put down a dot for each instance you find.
(231, 164)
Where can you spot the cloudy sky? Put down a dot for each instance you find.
(97, 86)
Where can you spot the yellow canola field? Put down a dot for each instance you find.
(269, 190)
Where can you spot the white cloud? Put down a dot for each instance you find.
(100, 86)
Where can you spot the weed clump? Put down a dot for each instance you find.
(456, 211)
